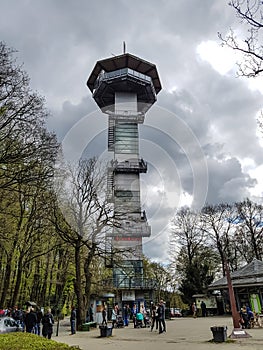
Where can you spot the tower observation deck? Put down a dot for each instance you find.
(125, 87)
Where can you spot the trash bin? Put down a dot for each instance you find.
(105, 331)
(219, 333)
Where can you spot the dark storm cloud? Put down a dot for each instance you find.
(63, 120)
(227, 182)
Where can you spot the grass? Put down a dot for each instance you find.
(27, 341)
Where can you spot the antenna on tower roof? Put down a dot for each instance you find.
(124, 47)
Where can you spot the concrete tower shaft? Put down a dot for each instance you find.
(125, 87)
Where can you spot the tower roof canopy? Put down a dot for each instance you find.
(125, 61)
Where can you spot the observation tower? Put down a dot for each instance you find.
(125, 87)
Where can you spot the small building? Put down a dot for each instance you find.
(247, 284)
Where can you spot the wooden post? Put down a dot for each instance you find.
(237, 331)
(235, 314)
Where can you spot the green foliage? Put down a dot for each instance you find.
(195, 276)
(27, 341)
(177, 301)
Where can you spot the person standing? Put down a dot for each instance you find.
(194, 310)
(143, 312)
(203, 308)
(126, 312)
(154, 317)
(17, 315)
(104, 315)
(39, 318)
(161, 317)
(134, 312)
(47, 322)
(73, 317)
(114, 316)
(91, 318)
(30, 321)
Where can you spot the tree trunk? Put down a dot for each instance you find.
(18, 281)
(81, 312)
(6, 283)
(35, 283)
(88, 276)
(43, 293)
(61, 277)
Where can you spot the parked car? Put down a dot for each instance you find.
(8, 324)
(175, 312)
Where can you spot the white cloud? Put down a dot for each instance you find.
(257, 190)
(222, 59)
(256, 84)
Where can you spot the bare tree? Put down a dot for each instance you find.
(192, 256)
(186, 232)
(249, 230)
(82, 219)
(25, 141)
(219, 223)
(250, 13)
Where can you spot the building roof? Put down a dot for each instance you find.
(125, 61)
(249, 275)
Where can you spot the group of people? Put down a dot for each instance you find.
(249, 319)
(32, 319)
(194, 309)
(158, 317)
(139, 316)
(131, 314)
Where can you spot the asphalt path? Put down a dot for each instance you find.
(184, 333)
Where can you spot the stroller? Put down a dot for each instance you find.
(138, 320)
(119, 321)
(147, 320)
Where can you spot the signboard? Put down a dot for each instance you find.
(119, 238)
(128, 295)
(255, 303)
(209, 301)
(239, 332)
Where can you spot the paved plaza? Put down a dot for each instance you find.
(182, 334)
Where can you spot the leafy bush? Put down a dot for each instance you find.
(27, 341)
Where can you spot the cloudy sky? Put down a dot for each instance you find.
(200, 139)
